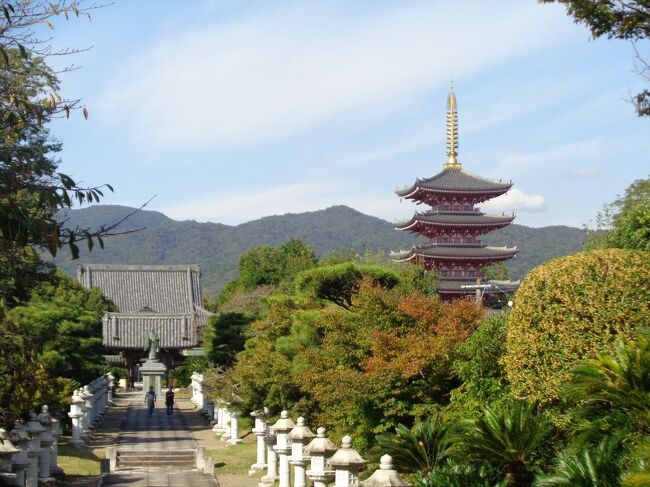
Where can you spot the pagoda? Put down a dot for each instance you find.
(454, 223)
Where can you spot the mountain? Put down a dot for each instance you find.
(217, 247)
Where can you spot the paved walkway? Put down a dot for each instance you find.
(141, 434)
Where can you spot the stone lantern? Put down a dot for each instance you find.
(234, 429)
(35, 429)
(283, 447)
(226, 424)
(44, 472)
(7, 451)
(299, 436)
(76, 414)
(346, 463)
(259, 431)
(318, 449)
(271, 459)
(385, 475)
(54, 449)
(20, 459)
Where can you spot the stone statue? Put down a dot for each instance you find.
(152, 345)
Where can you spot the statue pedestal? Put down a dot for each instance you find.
(153, 372)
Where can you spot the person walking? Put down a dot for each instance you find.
(169, 401)
(150, 399)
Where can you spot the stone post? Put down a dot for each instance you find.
(7, 451)
(77, 420)
(318, 449)
(226, 425)
(299, 436)
(210, 410)
(346, 463)
(20, 460)
(111, 386)
(271, 460)
(87, 395)
(44, 473)
(54, 449)
(283, 447)
(34, 428)
(259, 431)
(234, 429)
(385, 475)
(218, 427)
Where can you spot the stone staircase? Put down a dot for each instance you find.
(163, 459)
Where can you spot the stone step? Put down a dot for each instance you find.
(173, 464)
(176, 459)
(156, 453)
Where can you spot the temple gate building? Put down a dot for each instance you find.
(162, 298)
(453, 223)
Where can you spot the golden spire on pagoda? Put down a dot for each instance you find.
(452, 131)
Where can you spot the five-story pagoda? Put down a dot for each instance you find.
(454, 223)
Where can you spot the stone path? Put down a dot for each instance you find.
(161, 440)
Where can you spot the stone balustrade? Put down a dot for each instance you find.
(88, 406)
(29, 453)
(200, 398)
(296, 445)
(285, 444)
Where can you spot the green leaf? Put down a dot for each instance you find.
(74, 250)
(23, 51)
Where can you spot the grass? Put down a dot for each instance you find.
(79, 461)
(235, 459)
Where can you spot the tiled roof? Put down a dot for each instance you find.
(166, 299)
(457, 180)
(449, 218)
(139, 288)
(448, 285)
(456, 252)
(128, 331)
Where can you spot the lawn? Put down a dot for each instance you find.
(78, 463)
(235, 459)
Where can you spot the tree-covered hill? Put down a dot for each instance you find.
(217, 247)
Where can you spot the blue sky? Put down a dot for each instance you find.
(233, 111)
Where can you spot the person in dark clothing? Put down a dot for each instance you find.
(150, 399)
(169, 401)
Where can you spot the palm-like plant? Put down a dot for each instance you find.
(455, 474)
(420, 448)
(509, 438)
(613, 390)
(589, 467)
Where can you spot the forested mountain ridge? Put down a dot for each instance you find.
(217, 247)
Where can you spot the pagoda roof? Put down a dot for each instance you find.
(455, 179)
(456, 252)
(474, 219)
(456, 286)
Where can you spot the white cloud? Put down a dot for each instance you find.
(575, 151)
(515, 200)
(274, 74)
(585, 171)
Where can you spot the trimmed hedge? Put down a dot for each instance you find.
(569, 309)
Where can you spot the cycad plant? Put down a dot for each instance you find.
(508, 438)
(612, 391)
(420, 448)
(598, 466)
(455, 474)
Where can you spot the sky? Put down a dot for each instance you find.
(231, 111)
